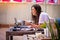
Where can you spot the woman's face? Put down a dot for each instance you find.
(33, 11)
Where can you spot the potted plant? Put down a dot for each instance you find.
(57, 23)
(50, 28)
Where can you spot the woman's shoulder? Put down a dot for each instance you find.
(43, 13)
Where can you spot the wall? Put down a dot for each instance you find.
(53, 10)
(8, 11)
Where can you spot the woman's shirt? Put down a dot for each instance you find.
(43, 17)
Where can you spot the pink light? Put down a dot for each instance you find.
(6, 0)
(28, 0)
(18, 0)
(39, 0)
(51, 2)
(58, 1)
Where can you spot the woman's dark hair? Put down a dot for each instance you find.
(38, 12)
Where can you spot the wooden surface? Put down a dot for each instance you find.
(10, 34)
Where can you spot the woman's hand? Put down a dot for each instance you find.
(34, 26)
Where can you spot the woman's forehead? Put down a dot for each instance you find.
(33, 8)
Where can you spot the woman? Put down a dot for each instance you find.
(38, 16)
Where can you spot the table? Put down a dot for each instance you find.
(10, 34)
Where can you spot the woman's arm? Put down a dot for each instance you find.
(33, 25)
(27, 23)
